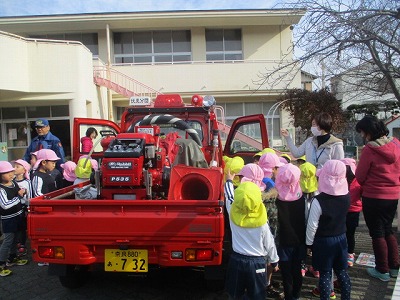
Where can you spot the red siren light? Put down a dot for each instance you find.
(197, 100)
(168, 100)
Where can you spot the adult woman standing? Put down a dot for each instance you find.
(322, 146)
(378, 173)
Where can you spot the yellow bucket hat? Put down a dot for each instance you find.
(247, 209)
(287, 157)
(265, 150)
(308, 178)
(226, 158)
(83, 168)
(302, 158)
(234, 164)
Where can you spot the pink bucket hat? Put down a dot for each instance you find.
(252, 172)
(69, 170)
(6, 167)
(268, 161)
(95, 164)
(332, 178)
(287, 183)
(26, 166)
(350, 162)
(45, 154)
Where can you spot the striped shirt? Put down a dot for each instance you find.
(10, 201)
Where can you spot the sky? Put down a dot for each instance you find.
(13, 8)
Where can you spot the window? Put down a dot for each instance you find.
(235, 110)
(223, 44)
(162, 46)
(90, 40)
(252, 130)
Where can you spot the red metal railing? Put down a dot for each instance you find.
(121, 83)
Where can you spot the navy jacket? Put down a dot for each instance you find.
(48, 141)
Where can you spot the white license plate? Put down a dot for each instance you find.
(132, 260)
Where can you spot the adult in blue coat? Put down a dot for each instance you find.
(45, 140)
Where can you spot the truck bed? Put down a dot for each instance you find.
(85, 228)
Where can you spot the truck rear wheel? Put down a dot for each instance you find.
(75, 277)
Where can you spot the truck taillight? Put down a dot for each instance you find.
(199, 254)
(51, 252)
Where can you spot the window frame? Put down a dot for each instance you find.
(224, 52)
(155, 56)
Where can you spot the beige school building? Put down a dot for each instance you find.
(88, 65)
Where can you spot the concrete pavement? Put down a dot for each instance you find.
(32, 282)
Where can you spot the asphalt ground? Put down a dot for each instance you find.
(33, 282)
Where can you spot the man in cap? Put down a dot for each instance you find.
(45, 140)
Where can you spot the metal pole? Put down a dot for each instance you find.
(272, 122)
(109, 93)
(275, 107)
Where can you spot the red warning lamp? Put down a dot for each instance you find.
(197, 100)
(172, 100)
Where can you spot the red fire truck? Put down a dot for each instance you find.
(160, 200)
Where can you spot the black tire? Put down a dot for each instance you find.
(75, 277)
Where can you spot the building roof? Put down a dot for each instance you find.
(309, 75)
(158, 19)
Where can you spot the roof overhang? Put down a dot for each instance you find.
(151, 20)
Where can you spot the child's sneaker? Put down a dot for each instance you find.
(16, 261)
(303, 270)
(350, 259)
(42, 264)
(317, 293)
(315, 273)
(4, 271)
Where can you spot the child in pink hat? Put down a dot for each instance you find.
(42, 181)
(252, 172)
(269, 163)
(22, 178)
(55, 173)
(326, 228)
(292, 229)
(68, 173)
(11, 211)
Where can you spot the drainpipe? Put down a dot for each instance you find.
(109, 92)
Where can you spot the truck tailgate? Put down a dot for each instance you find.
(110, 219)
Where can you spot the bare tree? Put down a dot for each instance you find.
(358, 35)
(304, 105)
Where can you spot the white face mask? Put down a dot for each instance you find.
(315, 131)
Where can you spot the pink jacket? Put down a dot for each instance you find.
(87, 144)
(355, 196)
(378, 171)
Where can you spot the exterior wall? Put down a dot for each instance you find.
(228, 78)
(45, 73)
(63, 72)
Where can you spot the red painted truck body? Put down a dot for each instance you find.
(150, 211)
